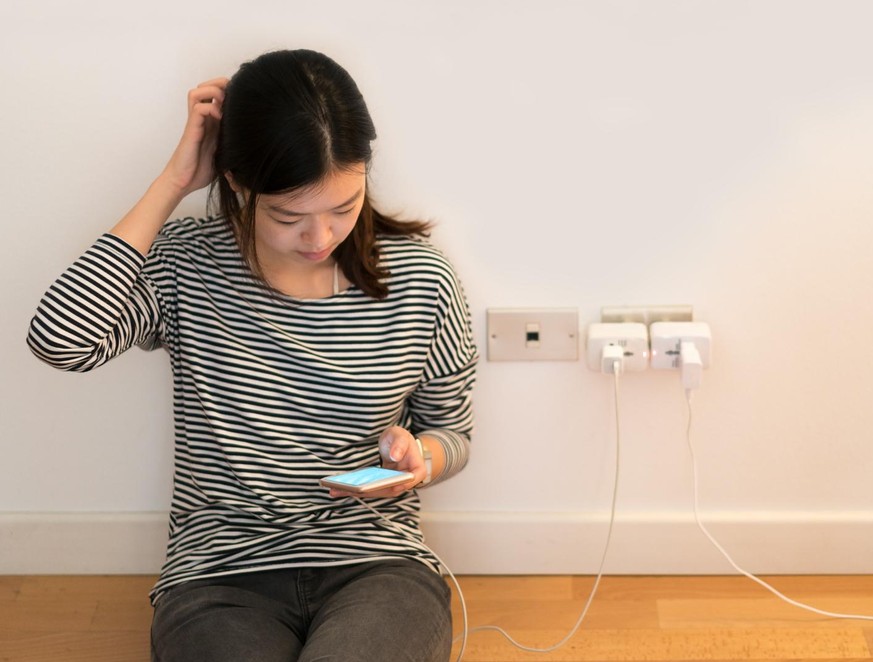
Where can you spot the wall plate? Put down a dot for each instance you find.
(647, 314)
(533, 334)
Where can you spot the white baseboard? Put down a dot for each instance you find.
(82, 543)
(491, 543)
(653, 543)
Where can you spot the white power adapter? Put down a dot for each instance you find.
(682, 345)
(612, 359)
(626, 343)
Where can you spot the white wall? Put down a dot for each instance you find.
(575, 154)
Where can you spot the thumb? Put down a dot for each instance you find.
(391, 446)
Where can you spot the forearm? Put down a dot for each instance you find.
(141, 224)
(189, 169)
(449, 453)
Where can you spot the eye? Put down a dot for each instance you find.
(286, 221)
(343, 212)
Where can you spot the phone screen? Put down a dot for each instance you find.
(366, 480)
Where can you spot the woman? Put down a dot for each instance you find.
(308, 335)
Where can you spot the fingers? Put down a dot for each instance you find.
(190, 166)
(394, 444)
(399, 451)
(200, 111)
(205, 101)
(210, 92)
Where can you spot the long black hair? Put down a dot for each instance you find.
(289, 120)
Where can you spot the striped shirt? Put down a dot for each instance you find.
(272, 393)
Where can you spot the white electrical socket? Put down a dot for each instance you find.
(666, 338)
(631, 337)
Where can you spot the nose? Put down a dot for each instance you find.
(317, 233)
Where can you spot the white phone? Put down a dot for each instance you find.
(366, 480)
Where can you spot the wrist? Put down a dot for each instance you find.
(427, 456)
(168, 189)
(449, 450)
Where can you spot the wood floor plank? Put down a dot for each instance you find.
(86, 587)
(10, 587)
(734, 586)
(527, 615)
(74, 647)
(658, 619)
(120, 615)
(770, 612)
(662, 646)
(46, 615)
(558, 587)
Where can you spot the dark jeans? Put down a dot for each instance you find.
(381, 611)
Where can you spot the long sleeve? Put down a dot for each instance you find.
(98, 308)
(442, 406)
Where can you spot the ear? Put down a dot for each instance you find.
(230, 180)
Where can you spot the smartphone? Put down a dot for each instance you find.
(366, 480)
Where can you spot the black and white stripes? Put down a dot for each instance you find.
(272, 393)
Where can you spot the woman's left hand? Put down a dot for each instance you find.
(399, 452)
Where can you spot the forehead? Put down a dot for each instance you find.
(337, 189)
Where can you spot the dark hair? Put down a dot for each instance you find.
(290, 119)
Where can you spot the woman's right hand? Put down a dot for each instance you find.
(190, 168)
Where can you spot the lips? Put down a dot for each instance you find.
(317, 255)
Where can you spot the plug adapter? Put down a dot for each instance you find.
(667, 340)
(631, 338)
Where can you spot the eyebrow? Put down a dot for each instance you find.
(289, 212)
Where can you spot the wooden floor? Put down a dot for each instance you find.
(102, 619)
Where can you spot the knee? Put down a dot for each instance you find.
(220, 624)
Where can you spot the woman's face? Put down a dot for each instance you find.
(305, 226)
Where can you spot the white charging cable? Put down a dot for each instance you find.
(412, 537)
(688, 394)
(614, 366)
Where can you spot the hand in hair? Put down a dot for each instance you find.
(190, 167)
